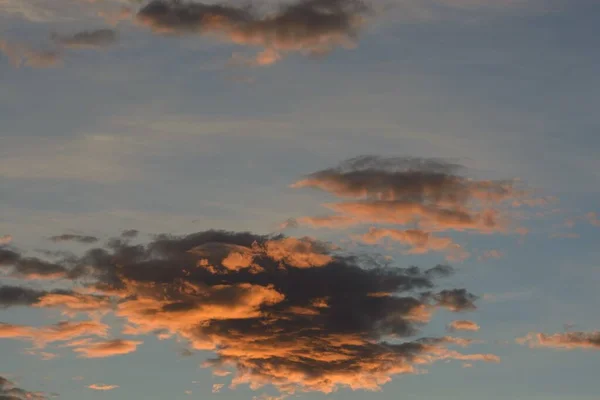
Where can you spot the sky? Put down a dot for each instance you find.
(314, 199)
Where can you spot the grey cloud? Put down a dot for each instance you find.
(88, 39)
(18, 296)
(9, 391)
(84, 239)
(307, 26)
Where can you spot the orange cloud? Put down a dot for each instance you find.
(74, 303)
(102, 387)
(107, 348)
(287, 312)
(463, 325)
(63, 331)
(419, 242)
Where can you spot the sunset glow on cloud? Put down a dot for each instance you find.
(299, 199)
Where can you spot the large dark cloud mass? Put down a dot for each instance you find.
(275, 310)
(307, 26)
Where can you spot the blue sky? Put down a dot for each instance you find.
(182, 133)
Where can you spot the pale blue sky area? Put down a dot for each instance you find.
(164, 135)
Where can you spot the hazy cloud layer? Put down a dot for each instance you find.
(22, 55)
(294, 313)
(306, 26)
(567, 341)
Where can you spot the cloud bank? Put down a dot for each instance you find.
(294, 313)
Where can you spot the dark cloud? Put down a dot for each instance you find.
(420, 196)
(15, 265)
(18, 296)
(307, 26)
(456, 300)
(566, 341)
(295, 313)
(88, 39)
(84, 239)
(8, 391)
(129, 233)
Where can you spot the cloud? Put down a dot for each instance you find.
(428, 193)
(60, 332)
(84, 239)
(102, 387)
(289, 312)
(216, 388)
(129, 233)
(5, 239)
(418, 241)
(69, 302)
(566, 341)
(72, 303)
(592, 218)
(18, 296)
(463, 325)
(306, 26)
(456, 300)
(87, 39)
(22, 55)
(8, 391)
(107, 348)
(15, 265)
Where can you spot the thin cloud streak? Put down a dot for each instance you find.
(564, 341)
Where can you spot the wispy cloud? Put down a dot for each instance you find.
(565, 341)
(102, 387)
(105, 349)
(23, 55)
(61, 332)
